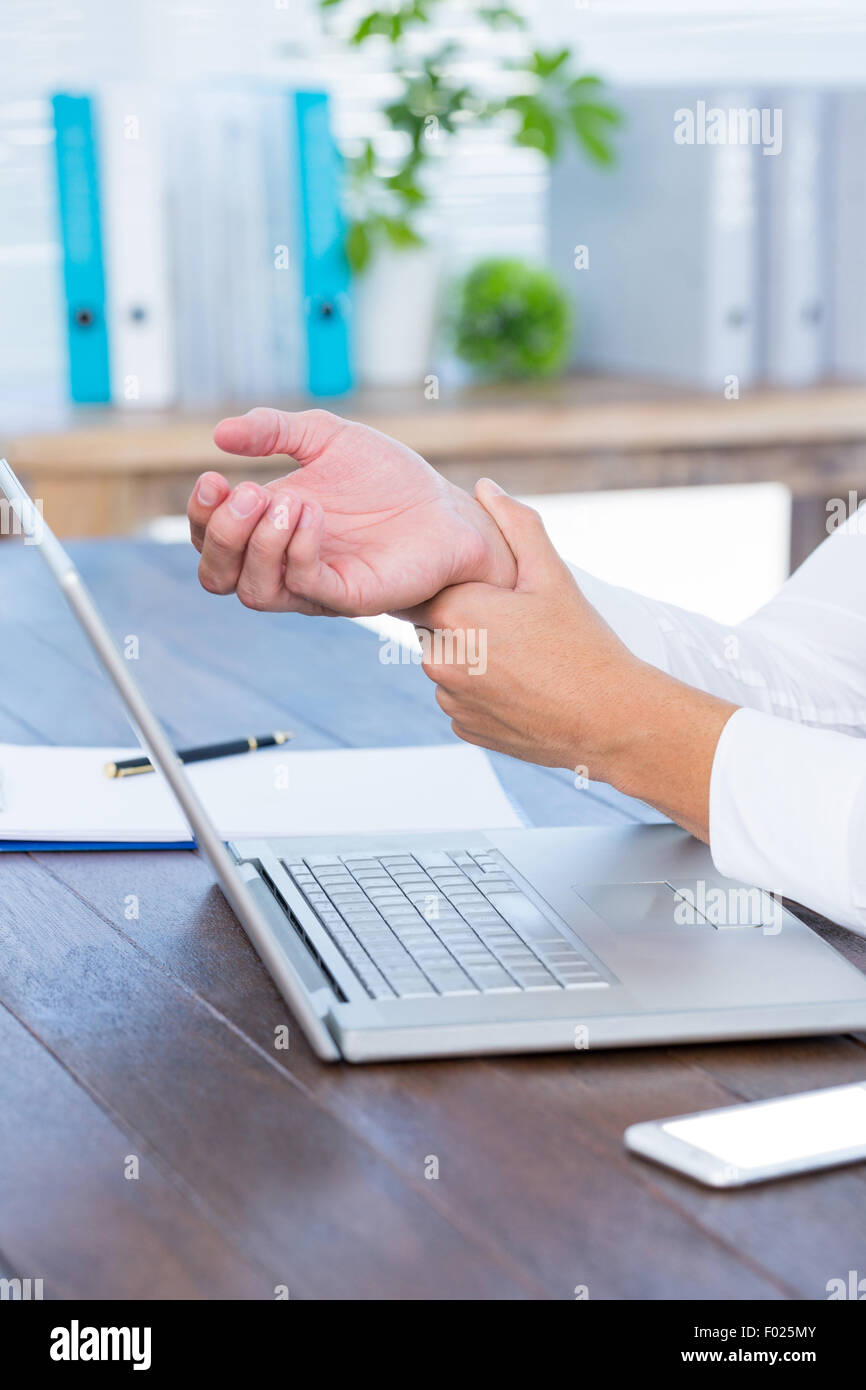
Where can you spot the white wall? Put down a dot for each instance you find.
(54, 42)
(750, 40)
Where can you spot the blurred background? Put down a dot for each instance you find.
(609, 253)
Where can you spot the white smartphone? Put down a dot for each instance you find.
(760, 1140)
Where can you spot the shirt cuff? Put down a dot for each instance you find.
(788, 810)
(633, 618)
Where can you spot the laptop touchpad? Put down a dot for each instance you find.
(632, 906)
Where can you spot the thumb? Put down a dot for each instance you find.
(262, 431)
(537, 561)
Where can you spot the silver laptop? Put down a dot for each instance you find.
(433, 945)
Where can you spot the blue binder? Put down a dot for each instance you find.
(325, 268)
(77, 846)
(83, 273)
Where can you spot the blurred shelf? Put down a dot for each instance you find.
(581, 414)
(103, 471)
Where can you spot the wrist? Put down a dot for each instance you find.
(660, 742)
(609, 725)
(494, 562)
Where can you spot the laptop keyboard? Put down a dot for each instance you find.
(438, 923)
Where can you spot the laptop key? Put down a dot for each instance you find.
(492, 979)
(375, 983)
(521, 914)
(433, 859)
(451, 982)
(534, 977)
(406, 981)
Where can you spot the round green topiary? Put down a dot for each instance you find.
(513, 320)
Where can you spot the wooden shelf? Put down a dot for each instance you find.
(104, 471)
(572, 416)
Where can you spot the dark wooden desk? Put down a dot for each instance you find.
(151, 1036)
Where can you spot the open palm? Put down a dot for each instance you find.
(382, 531)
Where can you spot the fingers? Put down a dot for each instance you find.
(456, 607)
(263, 431)
(264, 546)
(523, 529)
(306, 574)
(225, 539)
(210, 490)
(446, 702)
(437, 612)
(459, 716)
(261, 583)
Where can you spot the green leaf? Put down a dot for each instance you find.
(400, 114)
(358, 247)
(391, 23)
(408, 190)
(522, 102)
(499, 16)
(367, 26)
(591, 110)
(379, 22)
(538, 126)
(544, 64)
(585, 83)
(594, 144)
(592, 123)
(400, 234)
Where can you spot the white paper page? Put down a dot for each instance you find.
(64, 794)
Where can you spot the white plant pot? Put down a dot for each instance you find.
(395, 302)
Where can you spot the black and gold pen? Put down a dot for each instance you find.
(130, 766)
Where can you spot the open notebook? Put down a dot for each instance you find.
(61, 797)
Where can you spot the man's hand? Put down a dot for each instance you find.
(557, 687)
(365, 526)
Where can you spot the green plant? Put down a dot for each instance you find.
(513, 320)
(550, 103)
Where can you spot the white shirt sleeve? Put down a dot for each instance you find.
(802, 656)
(788, 812)
(788, 785)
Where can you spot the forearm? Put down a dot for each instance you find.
(660, 743)
(798, 657)
(780, 805)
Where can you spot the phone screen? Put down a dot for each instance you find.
(771, 1132)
